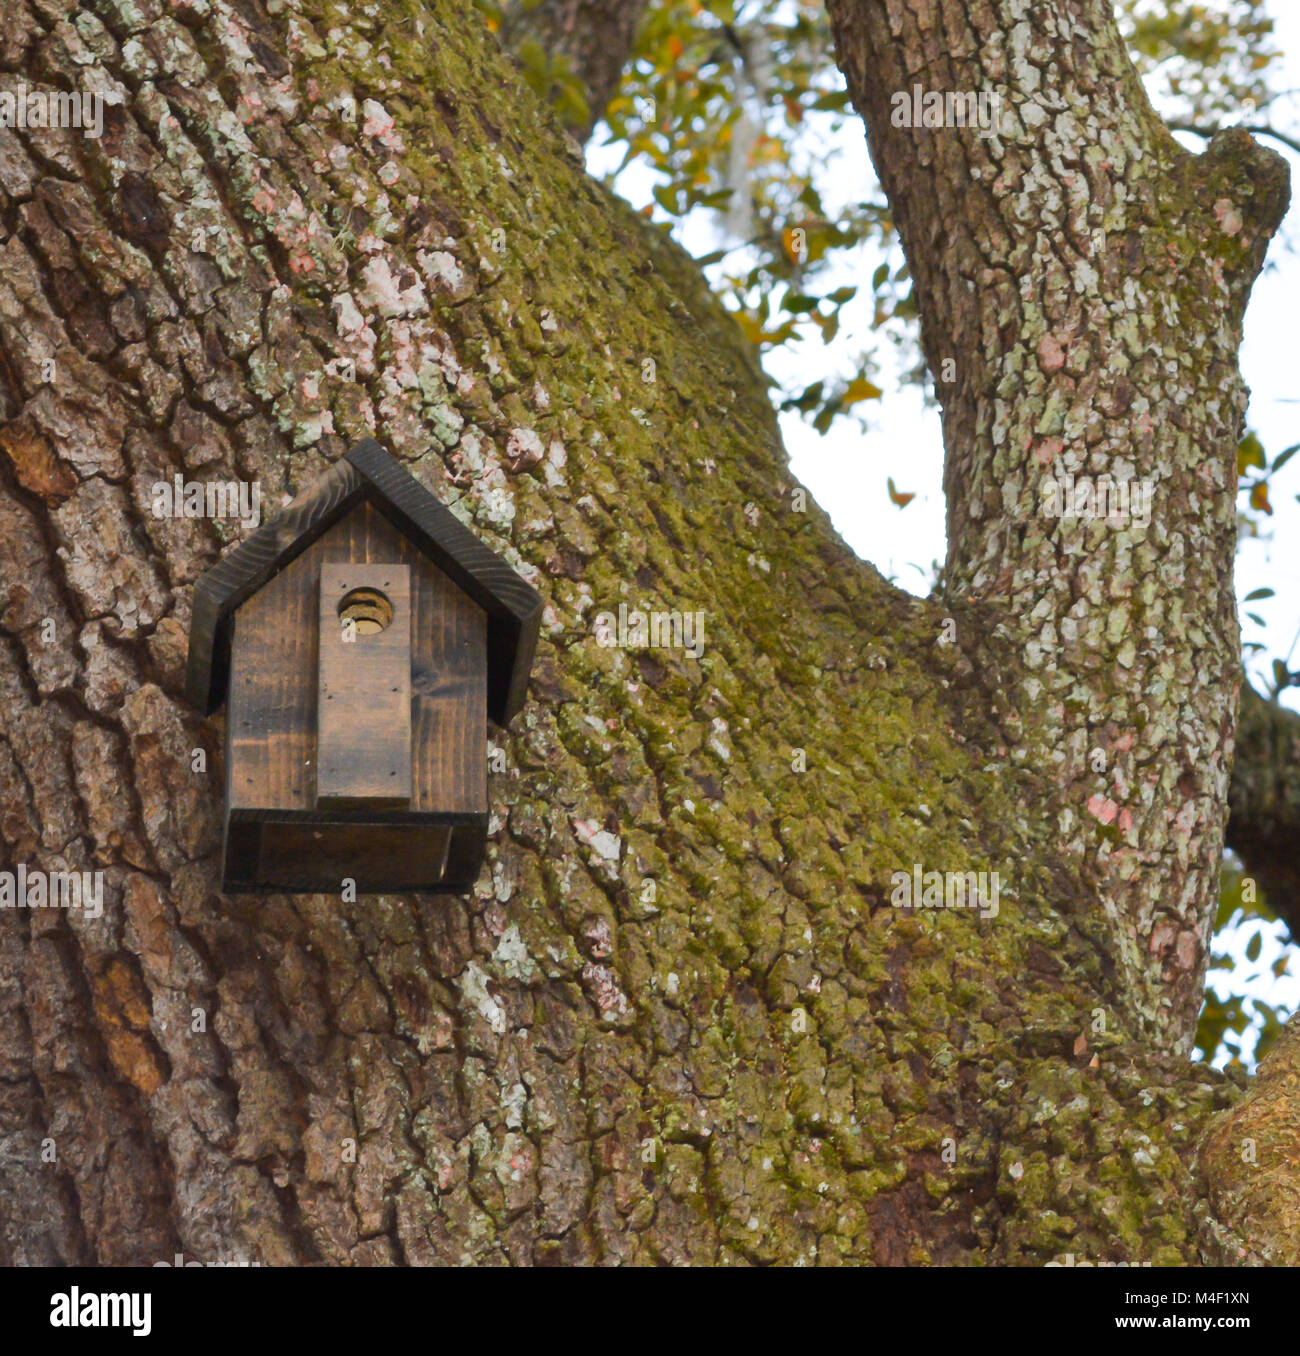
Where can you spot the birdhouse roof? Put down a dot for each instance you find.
(368, 474)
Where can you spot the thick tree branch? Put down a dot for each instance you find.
(1077, 271)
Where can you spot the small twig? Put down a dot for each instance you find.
(1208, 132)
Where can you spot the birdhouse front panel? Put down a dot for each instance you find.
(358, 686)
(363, 696)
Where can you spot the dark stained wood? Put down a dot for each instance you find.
(470, 628)
(271, 721)
(318, 852)
(363, 728)
(373, 856)
(237, 576)
(512, 607)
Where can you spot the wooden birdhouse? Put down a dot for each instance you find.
(360, 641)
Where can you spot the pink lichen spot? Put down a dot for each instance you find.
(379, 124)
(605, 844)
(378, 119)
(301, 263)
(1048, 450)
(310, 388)
(599, 938)
(1227, 216)
(1125, 742)
(263, 200)
(603, 986)
(1050, 353)
(381, 289)
(1186, 950)
(523, 449)
(1162, 939)
(1103, 809)
(1185, 819)
(348, 319)
(441, 268)
(1126, 821)
(389, 173)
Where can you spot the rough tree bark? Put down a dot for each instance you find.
(677, 1019)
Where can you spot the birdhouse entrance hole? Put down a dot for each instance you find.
(367, 610)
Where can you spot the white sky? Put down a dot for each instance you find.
(846, 469)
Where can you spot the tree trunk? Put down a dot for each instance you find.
(678, 1019)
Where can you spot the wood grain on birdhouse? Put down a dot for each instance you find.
(362, 641)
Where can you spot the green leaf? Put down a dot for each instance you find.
(1259, 593)
(862, 389)
(1250, 452)
(832, 103)
(666, 197)
(1285, 456)
(798, 303)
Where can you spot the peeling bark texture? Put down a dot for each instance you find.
(596, 36)
(1086, 277)
(677, 1019)
(1264, 802)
